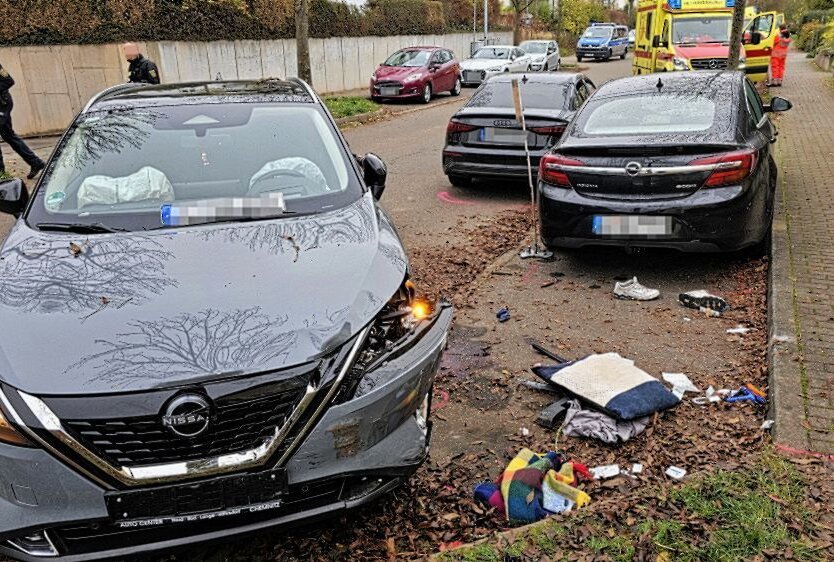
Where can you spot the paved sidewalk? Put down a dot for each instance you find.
(802, 291)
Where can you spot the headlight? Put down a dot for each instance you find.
(680, 63)
(413, 76)
(8, 434)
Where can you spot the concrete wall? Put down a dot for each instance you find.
(54, 82)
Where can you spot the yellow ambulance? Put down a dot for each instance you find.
(695, 34)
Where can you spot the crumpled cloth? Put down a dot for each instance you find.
(580, 422)
(534, 486)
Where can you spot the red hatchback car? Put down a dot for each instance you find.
(417, 72)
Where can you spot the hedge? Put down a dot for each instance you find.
(46, 22)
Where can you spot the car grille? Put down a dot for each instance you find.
(388, 84)
(708, 64)
(473, 76)
(237, 425)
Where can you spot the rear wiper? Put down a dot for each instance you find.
(78, 227)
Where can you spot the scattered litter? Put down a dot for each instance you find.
(503, 314)
(636, 468)
(687, 319)
(524, 496)
(767, 424)
(610, 383)
(539, 348)
(525, 432)
(551, 416)
(675, 472)
(740, 330)
(546, 285)
(74, 249)
(704, 302)
(605, 471)
(596, 425)
(539, 386)
(680, 383)
(633, 290)
(711, 396)
(746, 393)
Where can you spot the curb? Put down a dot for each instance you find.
(360, 117)
(785, 370)
(387, 110)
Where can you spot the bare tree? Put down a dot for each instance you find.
(735, 34)
(519, 7)
(302, 39)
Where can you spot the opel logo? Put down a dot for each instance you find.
(633, 168)
(187, 415)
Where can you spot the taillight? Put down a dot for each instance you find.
(731, 168)
(458, 127)
(554, 130)
(550, 169)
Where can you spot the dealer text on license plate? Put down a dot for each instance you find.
(632, 225)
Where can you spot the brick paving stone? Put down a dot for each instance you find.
(806, 150)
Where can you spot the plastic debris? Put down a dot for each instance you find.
(503, 314)
(675, 472)
(767, 424)
(605, 471)
(636, 468)
(551, 416)
(747, 393)
(739, 330)
(680, 383)
(525, 432)
(711, 396)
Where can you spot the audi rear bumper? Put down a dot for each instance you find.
(358, 450)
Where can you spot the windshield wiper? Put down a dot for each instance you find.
(78, 227)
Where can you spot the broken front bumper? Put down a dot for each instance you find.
(358, 450)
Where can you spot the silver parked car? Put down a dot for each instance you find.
(544, 54)
(491, 60)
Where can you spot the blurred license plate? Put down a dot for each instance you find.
(472, 76)
(504, 136)
(632, 225)
(389, 91)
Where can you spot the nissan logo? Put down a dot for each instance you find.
(187, 415)
(633, 168)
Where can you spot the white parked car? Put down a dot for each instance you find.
(494, 59)
(544, 54)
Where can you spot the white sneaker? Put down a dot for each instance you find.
(633, 290)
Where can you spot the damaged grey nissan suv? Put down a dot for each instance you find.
(208, 326)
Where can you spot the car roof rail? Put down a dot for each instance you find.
(112, 90)
(305, 85)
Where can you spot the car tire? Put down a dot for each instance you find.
(558, 65)
(545, 67)
(426, 97)
(457, 88)
(610, 54)
(578, 58)
(625, 52)
(459, 181)
(529, 68)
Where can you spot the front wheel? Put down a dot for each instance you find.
(578, 58)
(459, 181)
(610, 54)
(426, 98)
(625, 52)
(458, 86)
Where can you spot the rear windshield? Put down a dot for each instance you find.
(534, 95)
(648, 114)
(119, 167)
(408, 58)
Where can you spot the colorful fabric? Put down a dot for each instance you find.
(611, 383)
(534, 486)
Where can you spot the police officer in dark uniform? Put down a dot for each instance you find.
(7, 132)
(141, 70)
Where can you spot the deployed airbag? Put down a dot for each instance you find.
(298, 164)
(147, 184)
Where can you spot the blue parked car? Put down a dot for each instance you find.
(603, 41)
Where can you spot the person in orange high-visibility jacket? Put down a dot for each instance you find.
(778, 57)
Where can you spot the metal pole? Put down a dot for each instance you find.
(486, 22)
(474, 20)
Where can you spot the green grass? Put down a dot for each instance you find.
(348, 106)
(618, 548)
(6, 176)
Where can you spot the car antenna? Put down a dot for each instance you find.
(659, 84)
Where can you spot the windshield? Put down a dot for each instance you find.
(122, 167)
(534, 95)
(533, 47)
(408, 58)
(492, 53)
(598, 32)
(649, 114)
(701, 30)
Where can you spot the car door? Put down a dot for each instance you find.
(438, 81)
(521, 60)
(758, 55)
(451, 67)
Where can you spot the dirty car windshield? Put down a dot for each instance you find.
(491, 53)
(119, 167)
(648, 114)
(701, 30)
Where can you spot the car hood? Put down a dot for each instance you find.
(703, 51)
(397, 72)
(482, 64)
(133, 311)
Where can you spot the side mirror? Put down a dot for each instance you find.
(375, 174)
(777, 105)
(13, 197)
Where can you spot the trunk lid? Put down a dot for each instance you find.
(499, 128)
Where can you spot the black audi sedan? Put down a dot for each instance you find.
(680, 160)
(208, 326)
(485, 140)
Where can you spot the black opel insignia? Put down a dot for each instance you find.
(680, 160)
(208, 326)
